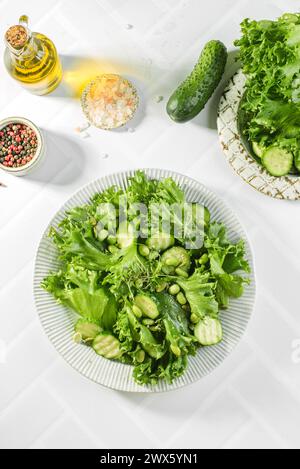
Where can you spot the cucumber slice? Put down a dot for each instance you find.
(297, 162)
(176, 257)
(277, 161)
(160, 241)
(258, 149)
(87, 330)
(209, 332)
(107, 346)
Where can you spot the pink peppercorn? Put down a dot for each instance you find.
(18, 145)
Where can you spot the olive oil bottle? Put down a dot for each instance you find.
(32, 59)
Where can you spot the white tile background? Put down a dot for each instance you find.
(253, 400)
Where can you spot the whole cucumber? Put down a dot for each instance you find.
(192, 95)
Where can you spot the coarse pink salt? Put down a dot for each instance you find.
(110, 102)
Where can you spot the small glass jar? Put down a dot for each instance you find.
(40, 151)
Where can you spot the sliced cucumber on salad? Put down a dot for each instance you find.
(209, 332)
(297, 162)
(107, 346)
(258, 149)
(86, 330)
(278, 161)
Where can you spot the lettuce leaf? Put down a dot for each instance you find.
(77, 288)
(270, 56)
(127, 268)
(226, 258)
(168, 368)
(145, 338)
(199, 291)
(73, 244)
(145, 190)
(178, 334)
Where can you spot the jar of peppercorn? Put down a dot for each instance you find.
(22, 146)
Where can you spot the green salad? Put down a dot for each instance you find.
(270, 55)
(147, 274)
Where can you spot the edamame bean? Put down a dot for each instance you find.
(113, 249)
(204, 259)
(137, 312)
(148, 322)
(153, 255)
(181, 299)
(102, 236)
(144, 250)
(112, 240)
(140, 356)
(181, 273)
(176, 350)
(194, 318)
(174, 289)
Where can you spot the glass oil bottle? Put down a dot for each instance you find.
(32, 59)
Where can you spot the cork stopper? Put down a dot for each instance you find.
(17, 36)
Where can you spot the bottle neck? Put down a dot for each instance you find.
(28, 51)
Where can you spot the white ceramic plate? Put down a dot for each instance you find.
(239, 155)
(58, 321)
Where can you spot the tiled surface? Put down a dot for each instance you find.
(252, 401)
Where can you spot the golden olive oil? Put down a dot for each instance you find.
(32, 59)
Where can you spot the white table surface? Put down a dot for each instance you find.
(253, 399)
